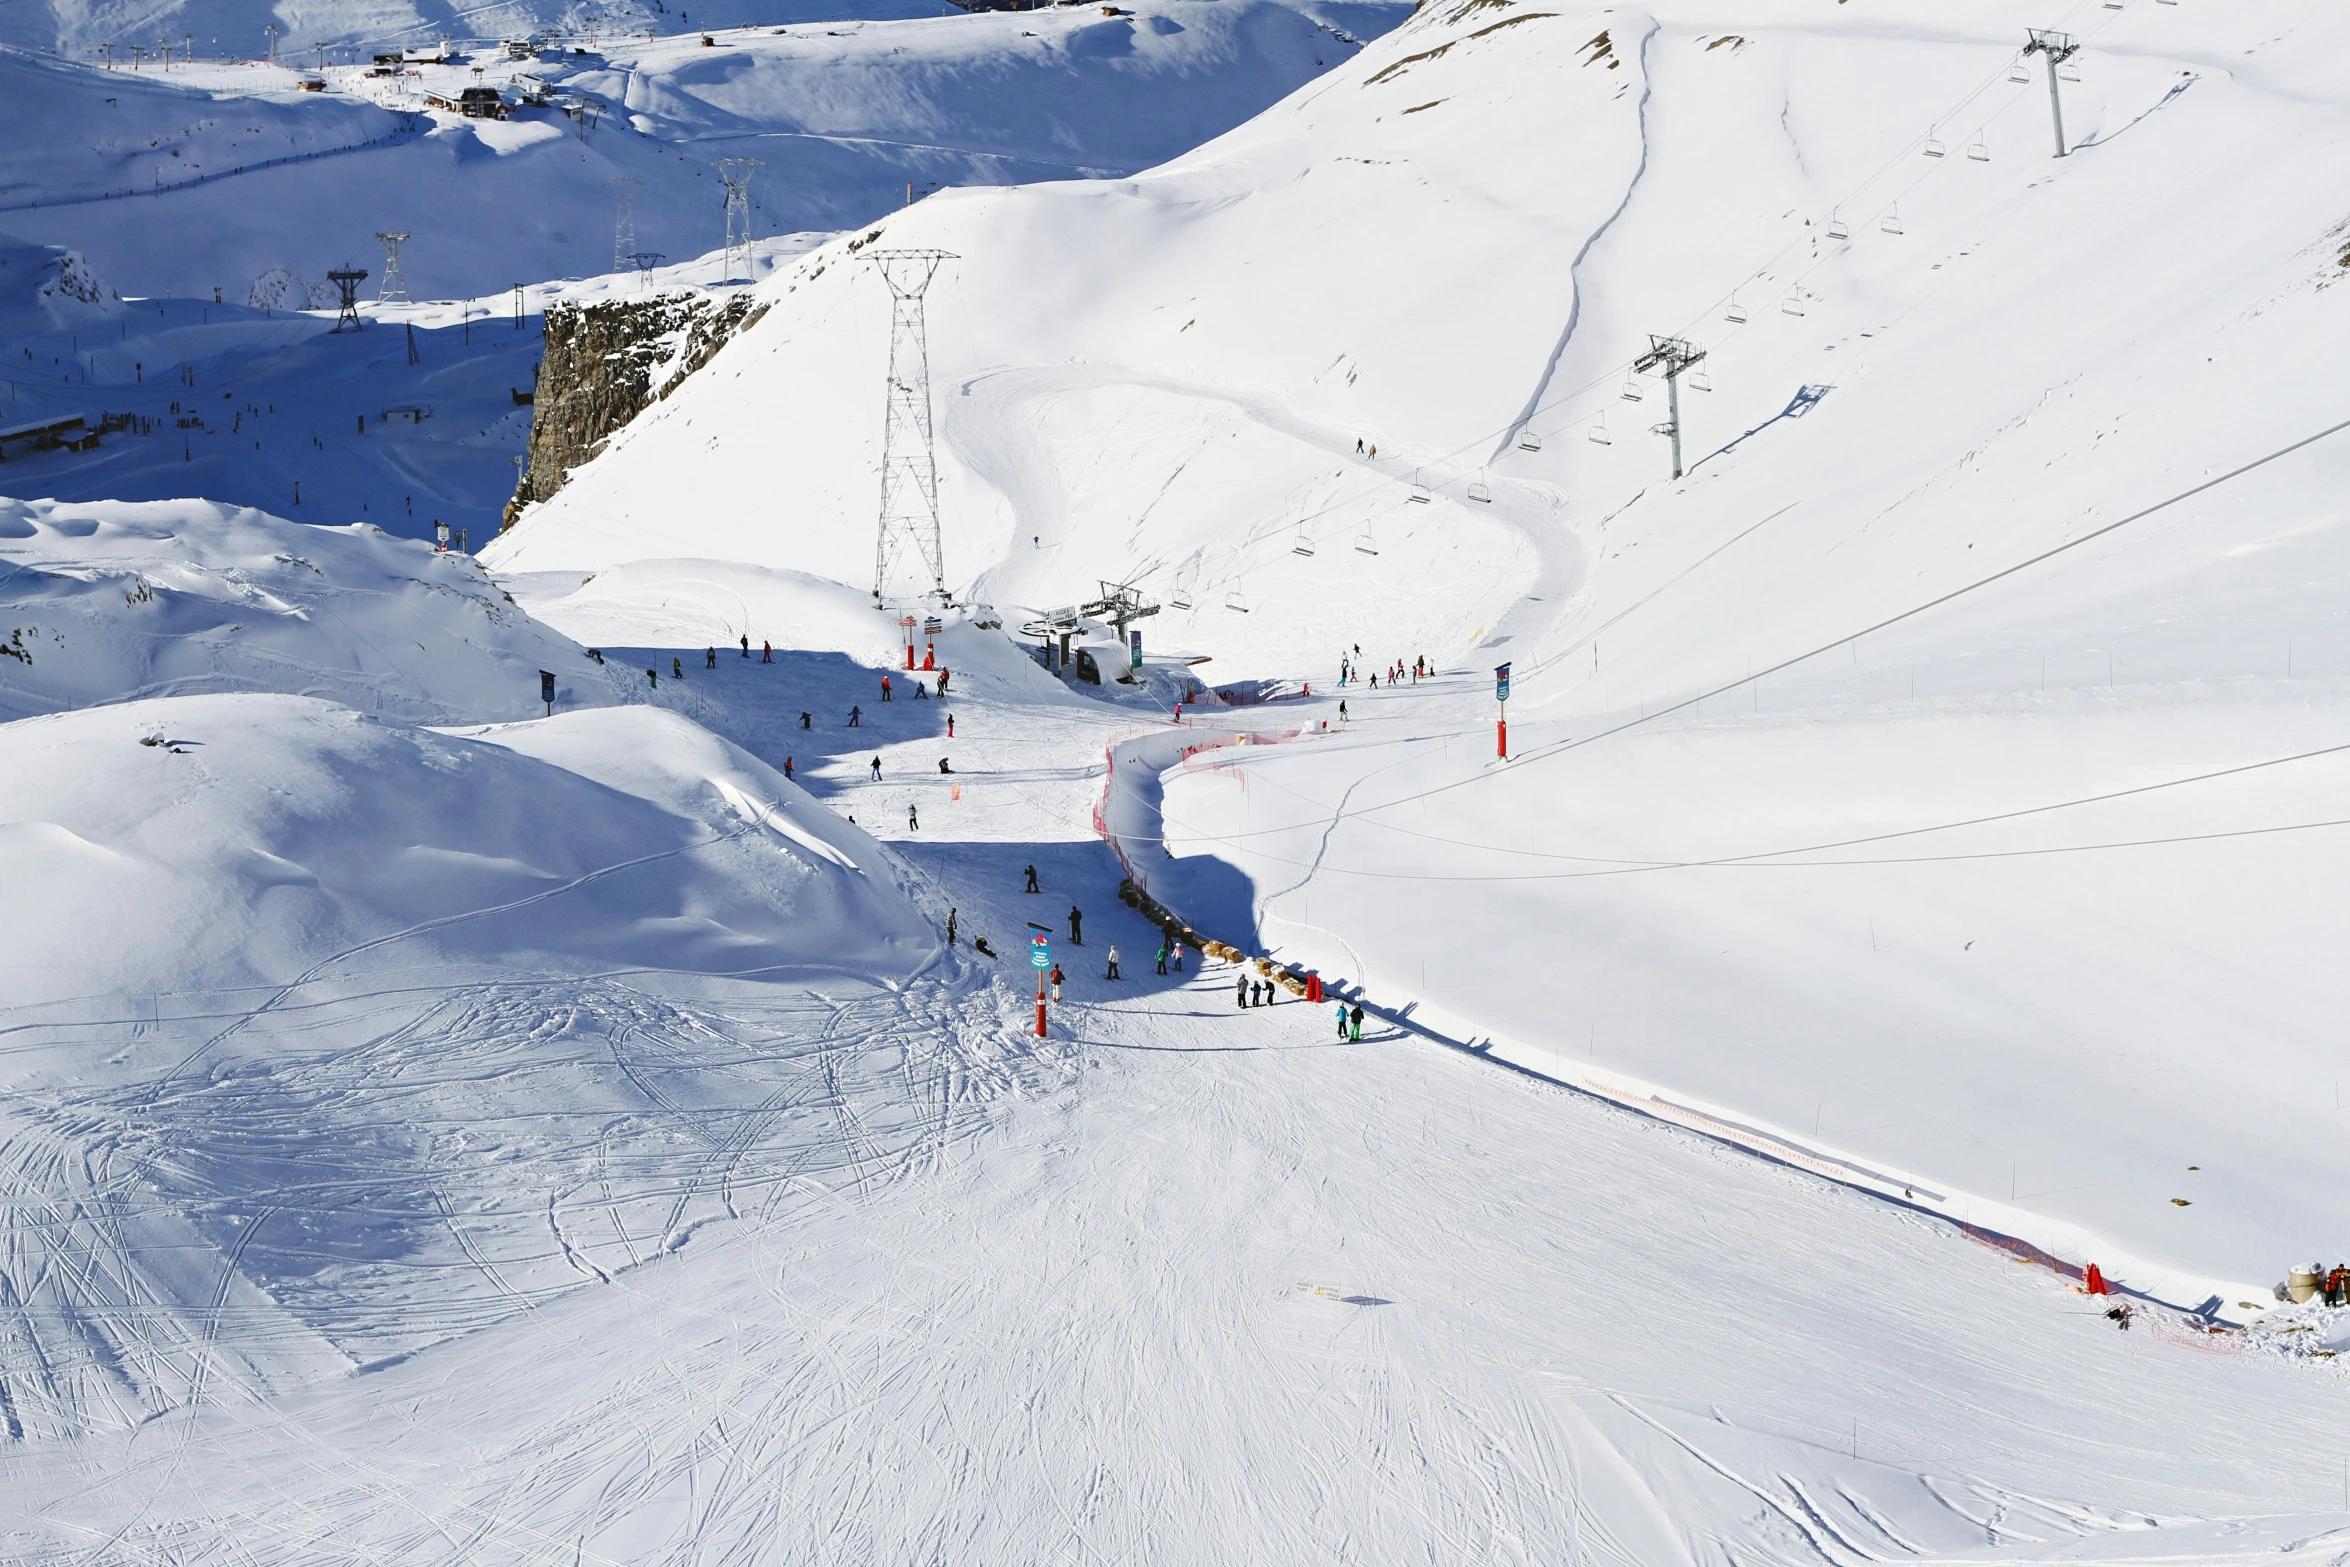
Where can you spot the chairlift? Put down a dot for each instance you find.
(1366, 544)
(1934, 147)
(2068, 72)
(1698, 382)
(1597, 434)
(1978, 149)
(1791, 305)
(1304, 545)
(1479, 493)
(1736, 314)
(1180, 598)
(1528, 441)
(1632, 393)
(1420, 495)
(2113, 5)
(1236, 601)
(1838, 228)
(1891, 222)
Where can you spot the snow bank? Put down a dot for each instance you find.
(116, 601)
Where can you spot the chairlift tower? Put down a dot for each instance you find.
(394, 287)
(273, 30)
(737, 174)
(348, 279)
(909, 463)
(2059, 47)
(623, 189)
(1672, 355)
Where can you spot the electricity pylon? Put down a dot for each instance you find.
(623, 191)
(909, 462)
(394, 287)
(737, 174)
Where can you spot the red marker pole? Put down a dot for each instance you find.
(1040, 1003)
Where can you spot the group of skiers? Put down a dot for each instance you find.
(1350, 668)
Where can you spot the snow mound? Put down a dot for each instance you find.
(272, 846)
(117, 601)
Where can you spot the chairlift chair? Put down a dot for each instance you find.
(1891, 222)
(1479, 493)
(1934, 147)
(1736, 314)
(1978, 149)
(1366, 544)
(1632, 392)
(1528, 441)
(1180, 598)
(1304, 545)
(1236, 601)
(2019, 71)
(1838, 228)
(1420, 493)
(1698, 382)
(1597, 434)
(2068, 72)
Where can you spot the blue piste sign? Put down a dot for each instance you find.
(1501, 683)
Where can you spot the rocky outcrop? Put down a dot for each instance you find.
(604, 364)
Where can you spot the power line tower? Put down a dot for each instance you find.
(909, 462)
(645, 261)
(394, 287)
(1672, 355)
(2059, 47)
(623, 220)
(737, 174)
(348, 280)
(273, 30)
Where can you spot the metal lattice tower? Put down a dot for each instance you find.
(2059, 47)
(645, 261)
(348, 279)
(394, 287)
(623, 221)
(909, 463)
(737, 174)
(1672, 355)
(273, 30)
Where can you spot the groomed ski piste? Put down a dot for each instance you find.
(441, 1129)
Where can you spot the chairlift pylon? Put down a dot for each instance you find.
(1736, 314)
(1891, 221)
(1528, 441)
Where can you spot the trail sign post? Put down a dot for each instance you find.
(1133, 650)
(547, 690)
(1501, 725)
(1040, 957)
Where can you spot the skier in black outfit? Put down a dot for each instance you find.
(804, 720)
(1076, 924)
(1032, 886)
(746, 644)
(709, 658)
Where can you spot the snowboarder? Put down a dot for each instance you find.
(746, 644)
(876, 764)
(856, 717)
(885, 688)
(950, 927)
(1162, 957)
(1076, 920)
(709, 658)
(1056, 984)
(1354, 1023)
(981, 947)
(1032, 886)
(943, 767)
(913, 820)
(1113, 973)
(1240, 992)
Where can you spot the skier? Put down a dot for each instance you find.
(1056, 984)
(1032, 886)
(676, 670)
(921, 692)
(766, 652)
(804, 720)
(1113, 973)
(746, 644)
(913, 821)
(942, 765)
(885, 688)
(876, 764)
(1240, 992)
(654, 675)
(980, 946)
(1354, 1023)
(1264, 992)
(856, 717)
(1342, 711)
(1076, 920)
(1162, 957)
(709, 658)
(787, 768)
(950, 726)
(1177, 948)
(944, 674)
(950, 927)
(1340, 1008)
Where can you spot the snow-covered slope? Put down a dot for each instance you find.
(1923, 370)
